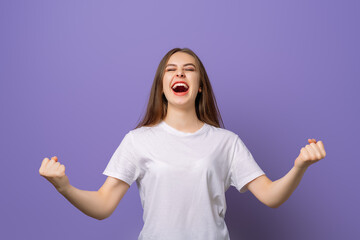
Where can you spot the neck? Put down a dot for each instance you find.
(183, 119)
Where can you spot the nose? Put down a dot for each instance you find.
(180, 73)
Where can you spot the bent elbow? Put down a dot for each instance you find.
(273, 205)
(102, 217)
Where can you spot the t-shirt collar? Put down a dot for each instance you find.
(172, 130)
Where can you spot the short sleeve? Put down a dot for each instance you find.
(243, 167)
(122, 164)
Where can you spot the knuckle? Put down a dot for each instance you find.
(43, 173)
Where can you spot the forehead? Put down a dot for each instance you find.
(181, 58)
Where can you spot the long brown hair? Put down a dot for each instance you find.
(205, 103)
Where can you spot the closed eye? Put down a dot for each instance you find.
(185, 69)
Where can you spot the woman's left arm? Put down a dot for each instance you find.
(273, 194)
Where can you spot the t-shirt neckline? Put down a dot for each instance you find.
(172, 130)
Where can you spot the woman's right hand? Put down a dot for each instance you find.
(54, 172)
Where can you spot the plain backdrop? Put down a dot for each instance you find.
(75, 77)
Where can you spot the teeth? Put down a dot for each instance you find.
(180, 84)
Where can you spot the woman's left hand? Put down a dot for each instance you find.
(310, 154)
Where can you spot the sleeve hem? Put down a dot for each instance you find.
(118, 176)
(242, 188)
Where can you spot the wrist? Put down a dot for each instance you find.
(302, 168)
(64, 189)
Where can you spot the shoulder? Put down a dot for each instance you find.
(143, 132)
(138, 132)
(222, 136)
(223, 132)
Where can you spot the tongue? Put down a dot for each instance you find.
(180, 89)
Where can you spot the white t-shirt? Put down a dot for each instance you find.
(182, 178)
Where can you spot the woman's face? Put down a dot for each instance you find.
(181, 67)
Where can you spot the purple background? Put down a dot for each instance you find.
(76, 75)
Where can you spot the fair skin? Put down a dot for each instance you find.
(273, 194)
(98, 204)
(181, 115)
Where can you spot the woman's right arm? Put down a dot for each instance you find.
(97, 204)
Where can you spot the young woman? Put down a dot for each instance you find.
(182, 161)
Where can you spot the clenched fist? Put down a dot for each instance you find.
(310, 154)
(54, 172)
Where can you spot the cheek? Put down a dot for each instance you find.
(167, 79)
(166, 83)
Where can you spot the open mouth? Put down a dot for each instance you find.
(180, 89)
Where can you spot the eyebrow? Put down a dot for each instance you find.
(183, 65)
